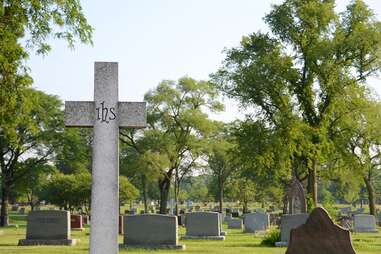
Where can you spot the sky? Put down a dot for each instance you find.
(155, 40)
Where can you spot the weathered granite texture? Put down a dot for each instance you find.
(203, 225)
(48, 228)
(319, 235)
(105, 115)
(151, 231)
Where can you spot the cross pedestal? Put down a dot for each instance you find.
(106, 115)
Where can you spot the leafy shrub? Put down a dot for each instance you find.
(271, 238)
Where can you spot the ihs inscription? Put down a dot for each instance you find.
(105, 114)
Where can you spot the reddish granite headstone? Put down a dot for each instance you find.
(320, 235)
(121, 225)
(76, 222)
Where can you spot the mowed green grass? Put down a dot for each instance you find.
(236, 242)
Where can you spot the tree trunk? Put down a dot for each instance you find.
(164, 185)
(144, 194)
(312, 183)
(221, 193)
(372, 202)
(4, 205)
(177, 190)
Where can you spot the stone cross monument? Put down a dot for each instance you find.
(106, 115)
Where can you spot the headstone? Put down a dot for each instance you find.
(235, 214)
(76, 222)
(227, 217)
(86, 220)
(121, 225)
(320, 235)
(346, 222)
(151, 231)
(294, 201)
(364, 223)
(235, 224)
(256, 222)
(106, 115)
(22, 210)
(203, 225)
(48, 228)
(289, 222)
(346, 210)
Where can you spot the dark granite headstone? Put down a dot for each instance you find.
(319, 235)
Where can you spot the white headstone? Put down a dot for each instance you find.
(105, 114)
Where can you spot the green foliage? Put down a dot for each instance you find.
(295, 76)
(74, 154)
(271, 237)
(177, 133)
(69, 192)
(127, 191)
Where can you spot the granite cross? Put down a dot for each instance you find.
(106, 115)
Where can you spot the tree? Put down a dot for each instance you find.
(32, 22)
(70, 192)
(140, 164)
(299, 70)
(127, 191)
(221, 163)
(241, 189)
(177, 129)
(38, 135)
(74, 154)
(27, 25)
(358, 138)
(32, 183)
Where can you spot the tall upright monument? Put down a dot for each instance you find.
(106, 115)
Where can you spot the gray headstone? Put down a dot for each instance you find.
(106, 115)
(346, 210)
(48, 228)
(227, 217)
(235, 224)
(289, 222)
(364, 223)
(151, 231)
(256, 222)
(203, 225)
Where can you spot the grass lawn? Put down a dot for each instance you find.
(236, 242)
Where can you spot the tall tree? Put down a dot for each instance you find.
(26, 26)
(221, 161)
(299, 70)
(38, 135)
(358, 138)
(178, 127)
